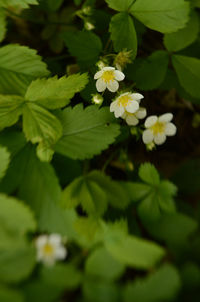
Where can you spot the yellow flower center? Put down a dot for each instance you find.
(158, 127)
(48, 249)
(123, 100)
(108, 76)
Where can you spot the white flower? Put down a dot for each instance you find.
(108, 77)
(158, 128)
(126, 103)
(50, 249)
(97, 99)
(89, 26)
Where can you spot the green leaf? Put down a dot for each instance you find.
(162, 285)
(19, 65)
(123, 33)
(40, 126)
(16, 264)
(188, 72)
(183, 37)
(86, 192)
(101, 264)
(53, 5)
(164, 16)
(84, 45)
(2, 25)
(8, 294)
(120, 5)
(136, 191)
(11, 107)
(156, 62)
(5, 160)
(149, 174)
(86, 132)
(55, 93)
(135, 252)
(18, 3)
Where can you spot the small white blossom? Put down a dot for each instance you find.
(108, 77)
(125, 104)
(158, 128)
(89, 26)
(50, 249)
(97, 99)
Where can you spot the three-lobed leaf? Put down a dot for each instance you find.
(11, 107)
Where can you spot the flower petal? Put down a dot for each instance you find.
(55, 239)
(61, 253)
(159, 138)
(166, 118)
(150, 121)
(41, 241)
(147, 136)
(113, 86)
(137, 96)
(119, 111)
(170, 129)
(132, 106)
(108, 68)
(141, 113)
(113, 106)
(119, 76)
(101, 85)
(98, 74)
(131, 120)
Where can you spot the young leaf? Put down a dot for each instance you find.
(84, 45)
(188, 72)
(55, 93)
(149, 174)
(5, 159)
(11, 107)
(123, 33)
(157, 63)
(86, 132)
(164, 16)
(183, 37)
(39, 125)
(120, 5)
(19, 65)
(162, 285)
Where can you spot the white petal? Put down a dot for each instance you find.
(119, 76)
(98, 74)
(119, 111)
(61, 253)
(141, 113)
(55, 239)
(159, 138)
(41, 241)
(170, 129)
(113, 86)
(113, 106)
(132, 106)
(165, 118)
(137, 96)
(108, 68)
(131, 120)
(147, 136)
(150, 121)
(101, 85)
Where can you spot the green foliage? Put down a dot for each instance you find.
(123, 23)
(86, 132)
(18, 3)
(84, 45)
(5, 159)
(19, 65)
(11, 107)
(2, 25)
(55, 93)
(188, 72)
(163, 16)
(183, 37)
(163, 284)
(120, 5)
(9, 295)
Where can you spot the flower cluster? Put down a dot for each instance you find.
(127, 107)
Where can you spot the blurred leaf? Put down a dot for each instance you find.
(8, 294)
(161, 285)
(18, 3)
(2, 25)
(183, 37)
(11, 107)
(120, 5)
(149, 174)
(5, 160)
(19, 65)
